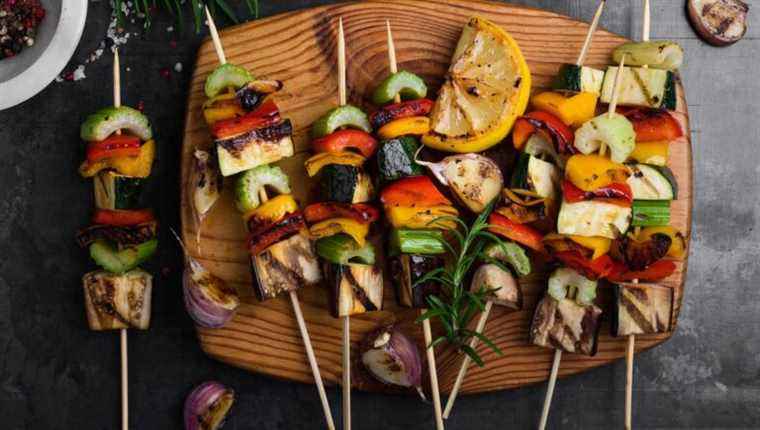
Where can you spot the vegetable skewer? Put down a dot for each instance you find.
(427, 333)
(122, 332)
(484, 315)
(557, 358)
(292, 293)
(347, 318)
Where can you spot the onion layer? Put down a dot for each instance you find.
(208, 299)
(206, 407)
(392, 358)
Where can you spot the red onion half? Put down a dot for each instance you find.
(207, 405)
(392, 358)
(208, 299)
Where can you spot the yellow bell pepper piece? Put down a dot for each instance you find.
(677, 248)
(600, 245)
(317, 162)
(417, 217)
(589, 172)
(330, 227)
(215, 114)
(221, 107)
(573, 109)
(136, 167)
(415, 125)
(274, 208)
(651, 152)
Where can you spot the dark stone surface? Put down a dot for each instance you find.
(56, 374)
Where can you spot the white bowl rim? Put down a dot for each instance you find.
(53, 59)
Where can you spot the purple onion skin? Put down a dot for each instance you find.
(201, 309)
(200, 400)
(402, 349)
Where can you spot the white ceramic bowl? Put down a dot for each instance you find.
(29, 72)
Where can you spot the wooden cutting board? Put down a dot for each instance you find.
(299, 48)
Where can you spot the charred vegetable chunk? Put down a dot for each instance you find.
(506, 290)
(642, 309)
(115, 191)
(407, 270)
(117, 301)
(345, 184)
(285, 266)
(354, 288)
(395, 159)
(566, 325)
(638, 255)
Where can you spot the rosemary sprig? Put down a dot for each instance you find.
(458, 305)
(175, 9)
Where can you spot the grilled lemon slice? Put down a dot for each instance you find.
(486, 88)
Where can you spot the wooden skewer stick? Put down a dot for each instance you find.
(427, 332)
(293, 295)
(550, 389)
(466, 361)
(631, 345)
(393, 66)
(430, 352)
(342, 99)
(613, 103)
(590, 34)
(122, 332)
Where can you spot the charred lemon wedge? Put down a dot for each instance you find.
(485, 90)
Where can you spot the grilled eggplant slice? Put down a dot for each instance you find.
(506, 289)
(642, 309)
(254, 148)
(408, 268)
(566, 325)
(122, 236)
(638, 255)
(206, 181)
(117, 301)
(354, 288)
(285, 266)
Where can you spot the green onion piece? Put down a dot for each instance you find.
(343, 249)
(424, 242)
(650, 213)
(407, 84)
(341, 116)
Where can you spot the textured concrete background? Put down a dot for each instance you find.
(56, 374)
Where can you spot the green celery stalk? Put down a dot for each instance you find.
(650, 213)
(424, 242)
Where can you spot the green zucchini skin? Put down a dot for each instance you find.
(395, 159)
(520, 174)
(344, 184)
(568, 78)
(669, 99)
(115, 191)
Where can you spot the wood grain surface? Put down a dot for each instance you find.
(299, 49)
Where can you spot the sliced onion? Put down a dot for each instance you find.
(206, 407)
(475, 179)
(392, 358)
(209, 301)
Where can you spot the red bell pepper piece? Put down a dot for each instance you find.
(115, 145)
(520, 233)
(360, 212)
(267, 236)
(600, 267)
(386, 114)
(656, 271)
(122, 218)
(346, 139)
(615, 193)
(263, 116)
(561, 134)
(653, 125)
(413, 191)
